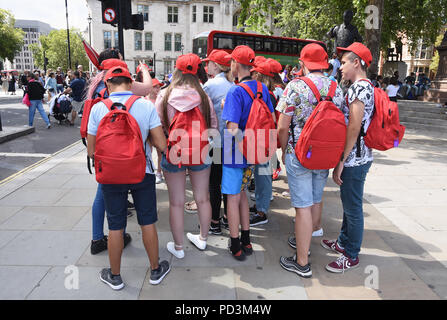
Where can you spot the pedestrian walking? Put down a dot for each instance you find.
(350, 173)
(35, 92)
(51, 85)
(76, 88)
(12, 84)
(5, 83)
(180, 101)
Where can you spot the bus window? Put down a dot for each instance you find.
(258, 45)
(223, 41)
(300, 46)
(286, 47)
(271, 45)
(199, 47)
(246, 41)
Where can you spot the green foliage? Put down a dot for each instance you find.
(56, 50)
(312, 19)
(11, 39)
(435, 62)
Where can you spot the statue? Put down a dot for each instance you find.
(346, 33)
(444, 40)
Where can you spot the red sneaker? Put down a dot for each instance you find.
(332, 245)
(341, 264)
(276, 174)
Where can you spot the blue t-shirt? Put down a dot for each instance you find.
(142, 110)
(237, 109)
(77, 86)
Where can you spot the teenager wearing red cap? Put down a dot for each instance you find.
(184, 94)
(350, 173)
(119, 83)
(217, 88)
(236, 172)
(306, 186)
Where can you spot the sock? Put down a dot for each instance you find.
(115, 275)
(245, 237)
(235, 245)
(215, 225)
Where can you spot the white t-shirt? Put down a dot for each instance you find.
(392, 90)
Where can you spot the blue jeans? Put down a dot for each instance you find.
(263, 182)
(60, 88)
(32, 110)
(351, 192)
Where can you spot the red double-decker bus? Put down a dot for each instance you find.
(285, 50)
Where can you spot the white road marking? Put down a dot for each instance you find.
(30, 155)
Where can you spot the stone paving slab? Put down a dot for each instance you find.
(21, 281)
(7, 212)
(6, 237)
(33, 197)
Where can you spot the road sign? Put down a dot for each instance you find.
(109, 15)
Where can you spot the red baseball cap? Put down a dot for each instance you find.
(275, 66)
(243, 55)
(188, 63)
(139, 69)
(263, 68)
(314, 57)
(219, 57)
(359, 49)
(259, 60)
(155, 82)
(117, 72)
(110, 63)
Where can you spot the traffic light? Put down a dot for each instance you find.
(109, 11)
(137, 22)
(112, 13)
(46, 61)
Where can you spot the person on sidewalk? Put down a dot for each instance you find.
(76, 89)
(119, 82)
(350, 173)
(236, 172)
(51, 85)
(306, 186)
(217, 88)
(35, 92)
(184, 94)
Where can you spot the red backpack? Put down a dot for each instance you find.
(188, 140)
(385, 131)
(88, 105)
(119, 153)
(322, 140)
(259, 142)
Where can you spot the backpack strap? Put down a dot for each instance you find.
(273, 95)
(332, 90)
(312, 87)
(131, 101)
(110, 104)
(247, 88)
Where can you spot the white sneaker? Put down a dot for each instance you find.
(195, 239)
(158, 178)
(179, 254)
(318, 233)
(286, 194)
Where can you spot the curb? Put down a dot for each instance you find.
(15, 133)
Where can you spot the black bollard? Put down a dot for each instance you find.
(1, 129)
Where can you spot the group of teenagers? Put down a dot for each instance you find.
(225, 102)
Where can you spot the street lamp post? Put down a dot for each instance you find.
(89, 19)
(68, 36)
(182, 47)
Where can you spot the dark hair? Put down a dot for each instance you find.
(393, 81)
(139, 77)
(152, 73)
(201, 74)
(330, 68)
(379, 78)
(386, 80)
(76, 74)
(110, 53)
(117, 81)
(352, 56)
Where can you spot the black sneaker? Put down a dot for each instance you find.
(127, 239)
(253, 209)
(291, 265)
(130, 205)
(292, 242)
(224, 223)
(257, 219)
(114, 282)
(215, 229)
(158, 274)
(98, 246)
(248, 249)
(240, 255)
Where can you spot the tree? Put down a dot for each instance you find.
(435, 62)
(56, 50)
(11, 39)
(416, 19)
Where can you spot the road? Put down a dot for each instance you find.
(22, 152)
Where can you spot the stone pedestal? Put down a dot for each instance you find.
(438, 89)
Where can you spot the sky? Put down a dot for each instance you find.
(50, 11)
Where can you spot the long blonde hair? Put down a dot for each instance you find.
(186, 79)
(227, 72)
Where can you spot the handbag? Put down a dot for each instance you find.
(26, 101)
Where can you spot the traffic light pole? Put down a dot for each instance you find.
(120, 29)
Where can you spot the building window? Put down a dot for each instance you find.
(194, 13)
(117, 40)
(27, 67)
(168, 66)
(178, 42)
(172, 14)
(148, 41)
(138, 41)
(235, 20)
(144, 10)
(208, 14)
(107, 39)
(168, 41)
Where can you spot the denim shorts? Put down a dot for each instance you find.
(235, 180)
(306, 186)
(144, 197)
(173, 168)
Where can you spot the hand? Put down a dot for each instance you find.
(283, 158)
(336, 174)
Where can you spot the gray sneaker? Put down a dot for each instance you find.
(291, 265)
(114, 282)
(158, 275)
(292, 242)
